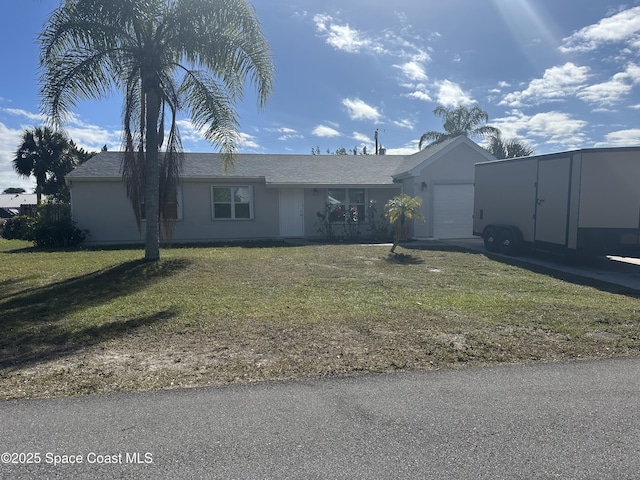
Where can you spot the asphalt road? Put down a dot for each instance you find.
(578, 420)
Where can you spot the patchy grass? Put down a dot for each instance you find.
(96, 321)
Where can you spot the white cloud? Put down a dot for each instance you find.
(247, 142)
(9, 141)
(359, 110)
(621, 138)
(343, 37)
(361, 137)
(555, 84)
(413, 71)
(614, 90)
(404, 123)
(557, 129)
(621, 27)
(420, 95)
(324, 131)
(452, 95)
(38, 117)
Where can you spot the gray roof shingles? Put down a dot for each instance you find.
(275, 169)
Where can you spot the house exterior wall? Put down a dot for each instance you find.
(199, 225)
(102, 208)
(454, 167)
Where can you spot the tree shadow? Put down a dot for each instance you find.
(32, 324)
(404, 259)
(52, 342)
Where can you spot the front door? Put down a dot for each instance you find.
(552, 207)
(292, 212)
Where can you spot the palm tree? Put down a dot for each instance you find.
(458, 121)
(45, 155)
(164, 56)
(400, 209)
(511, 148)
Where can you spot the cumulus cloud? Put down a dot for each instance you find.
(452, 95)
(9, 141)
(404, 123)
(624, 26)
(552, 128)
(361, 137)
(621, 138)
(413, 71)
(555, 84)
(343, 37)
(613, 91)
(359, 110)
(324, 131)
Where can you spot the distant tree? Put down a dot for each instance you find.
(508, 148)
(14, 190)
(164, 56)
(45, 155)
(397, 211)
(458, 121)
(341, 151)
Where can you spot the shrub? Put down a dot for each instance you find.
(53, 227)
(19, 227)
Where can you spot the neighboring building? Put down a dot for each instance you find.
(266, 196)
(10, 203)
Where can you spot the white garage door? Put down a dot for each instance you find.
(453, 211)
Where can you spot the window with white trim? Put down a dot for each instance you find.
(346, 205)
(232, 202)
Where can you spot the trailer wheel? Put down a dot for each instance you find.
(490, 238)
(508, 242)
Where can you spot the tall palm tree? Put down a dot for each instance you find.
(400, 209)
(458, 121)
(502, 148)
(44, 154)
(164, 56)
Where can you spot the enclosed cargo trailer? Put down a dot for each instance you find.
(584, 201)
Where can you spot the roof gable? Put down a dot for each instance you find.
(414, 164)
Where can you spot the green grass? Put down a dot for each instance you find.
(94, 321)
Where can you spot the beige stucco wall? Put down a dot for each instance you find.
(456, 166)
(103, 208)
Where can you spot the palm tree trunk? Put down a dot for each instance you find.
(152, 178)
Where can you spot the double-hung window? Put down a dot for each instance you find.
(346, 205)
(232, 202)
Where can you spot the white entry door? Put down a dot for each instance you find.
(292, 212)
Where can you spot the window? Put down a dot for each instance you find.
(346, 205)
(232, 203)
(173, 210)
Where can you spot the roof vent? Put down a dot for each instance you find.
(382, 150)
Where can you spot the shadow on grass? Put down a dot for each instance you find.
(33, 327)
(404, 259)
(52, 342)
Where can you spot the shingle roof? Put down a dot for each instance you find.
(282, 169)
(275, 169)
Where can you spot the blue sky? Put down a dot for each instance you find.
(557, 74)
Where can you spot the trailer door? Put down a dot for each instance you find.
(552, 202)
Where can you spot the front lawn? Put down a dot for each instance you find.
(96, 321)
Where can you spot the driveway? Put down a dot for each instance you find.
(574, 420)
(619, 271)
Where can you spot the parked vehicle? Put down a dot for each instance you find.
(583, 201)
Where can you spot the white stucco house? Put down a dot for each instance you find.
(267, 196)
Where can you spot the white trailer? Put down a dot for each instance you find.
(583, 201)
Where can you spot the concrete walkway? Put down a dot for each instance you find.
(575, 420)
